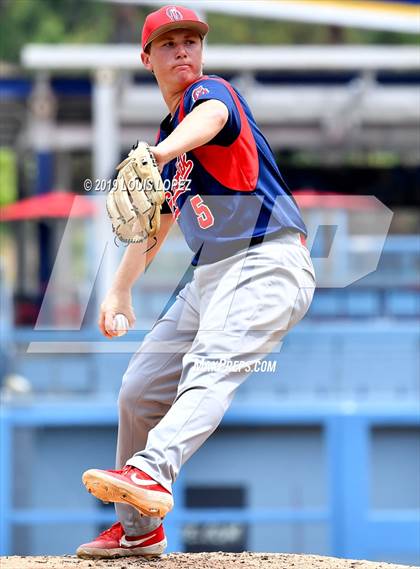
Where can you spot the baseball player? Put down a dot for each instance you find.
(253, 281)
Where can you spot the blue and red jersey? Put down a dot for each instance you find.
(228, 194)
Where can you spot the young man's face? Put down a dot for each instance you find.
(175, 58)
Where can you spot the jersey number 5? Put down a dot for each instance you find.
(204, 215)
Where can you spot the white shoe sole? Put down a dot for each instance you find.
(109, 489)
(148, 552)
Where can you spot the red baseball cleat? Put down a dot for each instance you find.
(113, 543)
(129, 486)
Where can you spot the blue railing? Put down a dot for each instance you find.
(340, 360)
(355, 530)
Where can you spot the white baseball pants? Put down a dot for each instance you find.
(232, 314)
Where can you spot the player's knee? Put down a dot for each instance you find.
(129, 393)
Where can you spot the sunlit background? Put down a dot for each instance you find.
(320, 452)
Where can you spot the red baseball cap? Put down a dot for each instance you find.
(170, 18)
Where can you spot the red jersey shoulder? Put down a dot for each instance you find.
(199, 92)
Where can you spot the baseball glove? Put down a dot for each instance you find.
(136, 199)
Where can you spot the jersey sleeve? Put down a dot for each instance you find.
(209, 89)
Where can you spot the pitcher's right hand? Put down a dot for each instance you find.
(115, 302)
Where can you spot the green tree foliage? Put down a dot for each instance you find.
(51, 21)
(93, 21)
(8, 176)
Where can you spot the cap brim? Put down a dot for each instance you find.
(199, 27)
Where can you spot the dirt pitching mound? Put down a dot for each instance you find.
(197, 561)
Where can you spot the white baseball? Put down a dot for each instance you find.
(120, 325)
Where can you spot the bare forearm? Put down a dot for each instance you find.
(132, 265)
(138, 256)
(197, 128)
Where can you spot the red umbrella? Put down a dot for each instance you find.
(52, 204)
